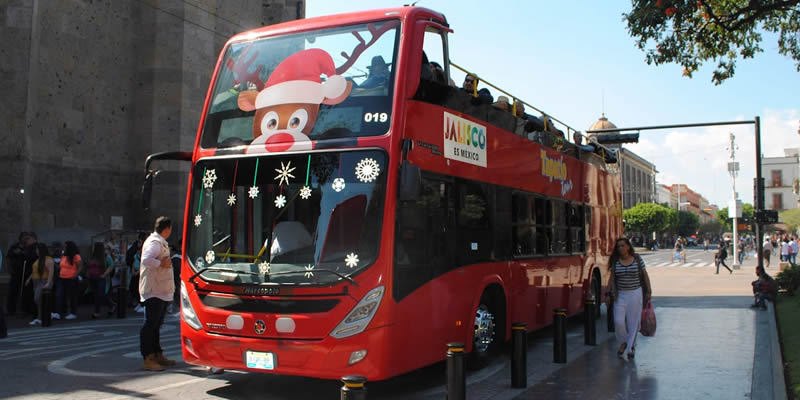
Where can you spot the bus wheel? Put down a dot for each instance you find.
(483, 336)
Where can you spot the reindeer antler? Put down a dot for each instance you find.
(363, 45)
(240, 68)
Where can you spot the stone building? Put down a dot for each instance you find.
(782, 180)
(90, 89)
(638, 174)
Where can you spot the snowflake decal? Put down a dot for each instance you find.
(199, 263)
(253, 192)
(338, 184)
(280, 201)
(284, 173)
(351, 260)
(309, 271)
(305, 192)
(263, 268)
(367, 170)
(198, 219)
(232, 200)
(209, 178)
(210, 256)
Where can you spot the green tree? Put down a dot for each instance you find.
(672, 220)
(791, 218)
(747, 213)
(645, 218)
(710, 228)
(688, 222)
(691, 32)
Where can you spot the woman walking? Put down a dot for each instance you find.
(99, 267)
(71, 267)
(628, 280)
(42, 277)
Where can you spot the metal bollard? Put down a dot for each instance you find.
(560, 336)
(122, 302)
(589, 328)
(353, 388)
(46, 306)
(610, 314)
(519, 355)
(456, 381)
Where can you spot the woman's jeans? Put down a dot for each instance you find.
(627, 315)
(68, 293)
(99, 289)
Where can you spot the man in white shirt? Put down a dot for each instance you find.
(156, 287)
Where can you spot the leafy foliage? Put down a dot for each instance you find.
(722, 215)
(690, 32)
(687, 223)
(646, 218)
(791, 218)
(789, 279)
(710, 228)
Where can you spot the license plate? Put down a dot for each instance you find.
(260, 360)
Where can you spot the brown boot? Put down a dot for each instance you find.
(159, 357)
(151, 363)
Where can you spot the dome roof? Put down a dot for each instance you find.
(603, 123)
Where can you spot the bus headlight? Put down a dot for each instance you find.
(187, 311)
(360, 316)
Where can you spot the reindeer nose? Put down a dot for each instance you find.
(279, 142)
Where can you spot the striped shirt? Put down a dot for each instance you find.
(628, 277)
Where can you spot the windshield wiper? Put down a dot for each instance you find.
(302, 271)
(214, 269)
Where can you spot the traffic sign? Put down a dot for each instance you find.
(766, 216)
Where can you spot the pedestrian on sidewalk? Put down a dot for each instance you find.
(71, 267)
(785, 249)
(176, 259)
(156, 287)
(99, 268)
(793, 247)
(720, 257)
(16, 264)
(740, 249)
(133, 257)
(42, 279)
(764, 288)
(630, 290)
(767, 251)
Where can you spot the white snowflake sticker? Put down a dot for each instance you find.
(231, 199)
(209, 178)
(305, 192)
(280, 201)
(253, 192)
(263, 267)
(367, 170)
(338, 184)
(284, 173)
(198, 219)
(351, 260)
(210, 256)
(309, 271)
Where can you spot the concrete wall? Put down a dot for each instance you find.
(90, 88)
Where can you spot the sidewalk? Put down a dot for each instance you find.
(20, 320)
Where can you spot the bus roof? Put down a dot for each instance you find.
(308, 24)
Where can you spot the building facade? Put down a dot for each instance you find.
(92, 88)
(781, 175)
(638, 174)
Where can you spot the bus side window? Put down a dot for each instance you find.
(434, 75)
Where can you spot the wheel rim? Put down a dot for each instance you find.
(484, 329)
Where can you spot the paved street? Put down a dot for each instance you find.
(707, 335)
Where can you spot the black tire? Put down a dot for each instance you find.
(483, 324)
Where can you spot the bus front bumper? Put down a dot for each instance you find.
(328, 358)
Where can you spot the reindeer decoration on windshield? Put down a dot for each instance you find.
(288, 104)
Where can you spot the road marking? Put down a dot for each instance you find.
(663, 264)
(167, 352)
(688, 265)
(141, 393)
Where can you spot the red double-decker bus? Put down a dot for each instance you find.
(350, 212)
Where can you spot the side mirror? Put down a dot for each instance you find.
(410, 181)
(147, 188)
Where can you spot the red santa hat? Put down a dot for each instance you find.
(297, 80)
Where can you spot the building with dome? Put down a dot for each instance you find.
(638, 174)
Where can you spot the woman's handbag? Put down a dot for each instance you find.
(648, 324)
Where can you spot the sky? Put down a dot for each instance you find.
(576, 60)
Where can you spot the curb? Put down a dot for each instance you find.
(778, 380)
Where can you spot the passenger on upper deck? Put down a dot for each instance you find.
(438, 74)
(378, 73)
(484, 97)
(501, 103)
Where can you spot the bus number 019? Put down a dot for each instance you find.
(376, 117)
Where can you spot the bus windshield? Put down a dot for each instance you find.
(289, 219)
(325, 84)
